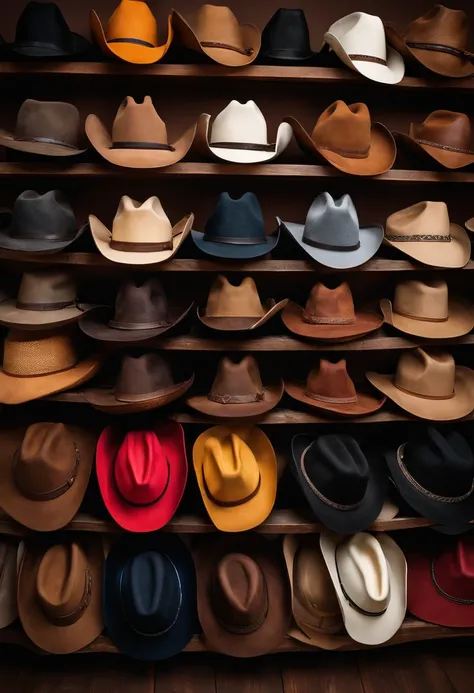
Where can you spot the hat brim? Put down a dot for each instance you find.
(102, 238)
(470, 224)
(235, 251)
(48, 515)
(135, 158)
(241, 324)
(135, 518)
(370, 238)
(365, 404)
(37, 246)
(460, 321)
(43, 148)
(79, 44)
(344, 521)
(44, 634)
(454, 254)
(104, 400)
(240, 518)
(17, 390)
(380, 158)
(128, 52)
(273, 629)
(292, 318)
(370, 630)
(239, 156)
(458, 406)
(96, 325)
(8, 598)
(391, 73)
(272, 395)
(13, 317)
(444, 156)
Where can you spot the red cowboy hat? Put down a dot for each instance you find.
(142, 474)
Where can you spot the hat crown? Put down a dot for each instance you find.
(344, 129)
(29, 354)
(145, 222)
(42, 22)
(240, 122)
(143, 375)
(47, 217)
(46, 290)
(331, 381)
(426, 300)
(422, 218)
(240, 594)
(141, 469)
(227, 300)
(445, 128)
(238, 380)
(140, 303)
(332, 222)
(440, 25)
(325, 304)
(230, 470)
(138, 123)
(426, 374)
(287, 30)
(239, 220)
(218, 24)
(132, 19)
(312, 583)
(453, 569)
(360, 33)
(51, 120)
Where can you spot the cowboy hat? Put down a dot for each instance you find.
(139, 137)
(369, 574)
(286, 40)
(239, 134)
(238, 391)
(424, 232)
(141, 233)
(237, 308)
(236, 230)
(329, 315)
(36, 365)
(236, 471)
(131, 33)
(330, 389)
(332, 236)
(143, 383)
(150, 596)
(215, 32)
(345, 137)
(142, 474)
(10, 560)
(232, 626)
(42, 32)
(60, 592)
(424, 309)
(141, 312)
(359, 41)
(428, 385)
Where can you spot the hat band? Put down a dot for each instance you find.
(235, 241)
(367, 58)
(231, 504)
(331, 400)
(46, 140)
(246, 146)
(150, 503)
(352, 154)
(237, 399)
(419, 238)
(131, 326)
(446, 147)
(44, 306)
(326, 501)
(53, 493)
(135, 41)
(75, 615)
(227, 46)
(418, 394)
(329, 246)
(251, 627)
(449, 597)
(143, 145)
(140, 247)
(145, 397)
(356, 607)
(316, 320)
(38, 375)
(418, 317)
(441, 48)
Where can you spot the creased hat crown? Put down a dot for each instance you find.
(440, 25)
(330, 382)
(46, 290)
(143, 375)
(237, 380)
(132, 19)
(237, 221)
(420, 219)
(139, 123)
(332, 222)
(141, 469)
(145, 222)
(425, 300)
(444, 128)
(218, 24)
(287, 32)
(344, 129)
(426, 374)
(140, 304)
(47, 217)
(230, 470)
(227, 300)
(327, 306)
(43, 22)
(360, 33)
(240, 122)
(50, 120)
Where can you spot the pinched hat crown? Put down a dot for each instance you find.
(52, 122)
(423, 221)
(133, 21)
(236, 221)
(314, 590)
(446, 130)
(141, 469)
(345, 130)
(240, 123)
(440, 26)
(47, 217)
(327, 306)
(216, 26)
(362, 37)
(138, 126)
(141, 227)
(46, 290)
(237, 383)
(422, 300)
(227, 300)
(140, 304)
(142, 376)
(230, 471)
(332, 224)
(426, 374)
(330, 383)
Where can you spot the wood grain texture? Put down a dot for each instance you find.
(457, 662)
(258, 675)
(186, 674)
(333, 673)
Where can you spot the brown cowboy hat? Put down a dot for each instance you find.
(238, 392)
(329, 315)
(234, 308)
(424, 309)
(215, 31)
(44, 472)
(330, 389)
(139, 137)
(60, 593)
(144, 382)
(233, 626)
(345, 137)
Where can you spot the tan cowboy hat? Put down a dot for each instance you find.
(236, 471)
(234, 308)
(139, 137)
(215, 31)
(424, 309)
(429, 385)
(141, 233)
(425, 233)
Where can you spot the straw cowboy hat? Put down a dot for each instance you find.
(141, 312)
(142, 474)
(236, 471)
(359, 41)
(428, 385)
(141, 233)
(425, 309)
(45, 299)
(37, 365)
(44, 472)
(437, 41)
(237, 308)
(42, 32)
(11, 554)
(143, 383)
(139, 137)
(329, 315)
(346, 138)
(50, 128)
(369, 573)
(239, 134)
(131, 33)
(215, 32)
(332, 236)
(425, 233)
(238, 391)
(60, 592)
(232, 626)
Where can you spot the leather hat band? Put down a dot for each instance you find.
(329, 246)
(417, 394)
(75, 615)
(445, 147)
(355, 606)
(445, 595)
(46, 140)
(140, 247)
(53, 493)
(247, 146)
(150, 503)
(367, 58)
(143, 145)
(419, 238)
(131, 326)
(326, 501)
(44, 306)
(137, 42)
(441, 48)
(236, 399)
(235, 241)
(418, 317)
(227, 46)
(251, 627)
(230, 504)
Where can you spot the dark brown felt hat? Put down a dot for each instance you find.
(243, 594)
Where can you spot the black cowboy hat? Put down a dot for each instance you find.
(42, 32)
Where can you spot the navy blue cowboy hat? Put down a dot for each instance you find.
(150, 596)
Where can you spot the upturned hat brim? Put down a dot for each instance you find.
(38, 246)
(241, 324)
(79, 44)
(272, 395)
(293, 319)
(456, 253)
(391, 73)
(460, 321)
(45, 148)
(128, 51)
(459, 405)
(363, 406)
(235, 251)
(449, 158)
(13, 317)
